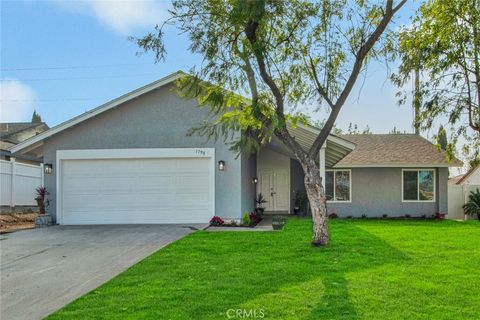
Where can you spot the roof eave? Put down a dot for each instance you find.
(21, 147)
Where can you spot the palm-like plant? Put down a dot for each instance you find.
(472, 206)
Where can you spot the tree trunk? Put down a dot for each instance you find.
(316, 197)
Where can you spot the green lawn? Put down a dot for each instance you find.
(371, 270)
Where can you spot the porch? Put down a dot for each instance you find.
(280, 177)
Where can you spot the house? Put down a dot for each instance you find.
(13, 133)
(472, 177)
(131, 161)
(459, 189)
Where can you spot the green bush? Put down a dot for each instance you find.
(246, 219)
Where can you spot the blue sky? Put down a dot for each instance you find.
(77, 57)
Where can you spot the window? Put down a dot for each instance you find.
(418, 185)
(338, 185)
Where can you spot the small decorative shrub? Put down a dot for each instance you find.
(301, 203)
(253, 217)
(278, 222)
(407, 216)
(424, 216)
(440, 216)
(364, 216)
(472, 207)
(246, 219)
(216, 221)
(42, 202)
(333, 215)
(384, 216)
(349, 217)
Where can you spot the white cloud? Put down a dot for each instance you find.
(123, 16)
(16, 101)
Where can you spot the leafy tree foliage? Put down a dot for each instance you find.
(282, 55)
(444, 44)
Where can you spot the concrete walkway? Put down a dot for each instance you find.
(41, 270)
(264, 225)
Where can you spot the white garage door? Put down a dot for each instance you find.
(152, 190)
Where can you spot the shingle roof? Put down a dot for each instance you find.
(466, 175)
(393, 149)
(9, 129)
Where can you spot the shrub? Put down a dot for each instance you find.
(333, 215)
(246, 219)
(254, 217)
(407, 216)
(472, 207)
(384, 216)
(364, 216)
(216, 221)
(349, 217)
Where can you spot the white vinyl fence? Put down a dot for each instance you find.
(457, 197)
(18, 182)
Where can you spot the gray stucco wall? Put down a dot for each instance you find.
(297, 180)
(159, 119)
(249, 171)
(378, 191)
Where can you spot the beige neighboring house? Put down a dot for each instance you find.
(13, 133)
(472, 177)
(459, 188)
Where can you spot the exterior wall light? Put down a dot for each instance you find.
(255, 180)
(47, 168)
(221, 165)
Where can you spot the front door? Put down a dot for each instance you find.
(274, 186)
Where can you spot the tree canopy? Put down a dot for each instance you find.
(281, 55)
(443, 43)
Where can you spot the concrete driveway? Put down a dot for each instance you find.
(44, 269)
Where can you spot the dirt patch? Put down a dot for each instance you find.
(17, 221)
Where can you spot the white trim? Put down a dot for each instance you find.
(341, 141)
(418, 185)
(321, 162)
(130, 154)
(334, 184)
(395, 165)
(94, 112)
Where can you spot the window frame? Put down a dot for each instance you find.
(417, 170)
(335, 184)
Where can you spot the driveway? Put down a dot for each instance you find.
(44, 269)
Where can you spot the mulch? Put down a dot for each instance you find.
(17, 221)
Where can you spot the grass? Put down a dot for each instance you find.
(372, 269)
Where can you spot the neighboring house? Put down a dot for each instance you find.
(13, 133)
(472, 177)
(131, 161)
(459, 189)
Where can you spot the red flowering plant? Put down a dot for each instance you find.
(42, 202)
(216, 221)
(253, 217)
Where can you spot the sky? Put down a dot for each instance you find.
(63, 58)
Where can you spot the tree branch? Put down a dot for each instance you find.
(357, 67)
(321, 90)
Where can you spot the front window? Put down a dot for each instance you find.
(418, 185)
(337, 185)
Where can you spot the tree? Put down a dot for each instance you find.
(444, 44)
(36, 118)
(281, 54)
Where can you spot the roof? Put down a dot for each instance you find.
(386, 150)
(9, 132)
(461, 178)
(38, 139)
(9, 128)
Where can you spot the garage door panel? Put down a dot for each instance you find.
(115, 191)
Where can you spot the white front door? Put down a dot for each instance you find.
(275, 188)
